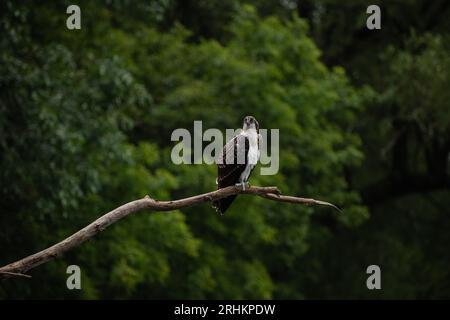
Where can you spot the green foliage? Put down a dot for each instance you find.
(85, 124)
(418, 85)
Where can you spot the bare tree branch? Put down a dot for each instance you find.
(14, 274)
(19, 268)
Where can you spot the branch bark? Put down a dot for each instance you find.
(20, 267)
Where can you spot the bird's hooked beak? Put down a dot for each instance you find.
(250, 123)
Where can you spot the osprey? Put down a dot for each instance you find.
(237, 160)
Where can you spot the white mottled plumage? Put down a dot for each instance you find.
(237, 160)
(252, 155)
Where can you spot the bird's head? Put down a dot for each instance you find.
(250, 123)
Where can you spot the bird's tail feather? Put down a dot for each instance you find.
(223, 204)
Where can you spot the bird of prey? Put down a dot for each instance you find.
(237, 160)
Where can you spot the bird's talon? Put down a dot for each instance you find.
(242, 185)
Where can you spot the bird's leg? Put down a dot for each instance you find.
(242, 185)
(245, 185)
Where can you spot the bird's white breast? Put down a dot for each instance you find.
(253, 152)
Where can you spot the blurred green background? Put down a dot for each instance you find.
(85, 124)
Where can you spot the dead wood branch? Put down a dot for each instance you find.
(20, 267)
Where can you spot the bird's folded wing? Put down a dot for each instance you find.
(234, 150)
(232, 157)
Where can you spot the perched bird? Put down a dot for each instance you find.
(237, 160)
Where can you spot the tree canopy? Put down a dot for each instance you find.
(86, 118)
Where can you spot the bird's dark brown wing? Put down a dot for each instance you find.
(233, 161)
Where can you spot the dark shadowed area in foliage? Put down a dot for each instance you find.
(86, 118)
